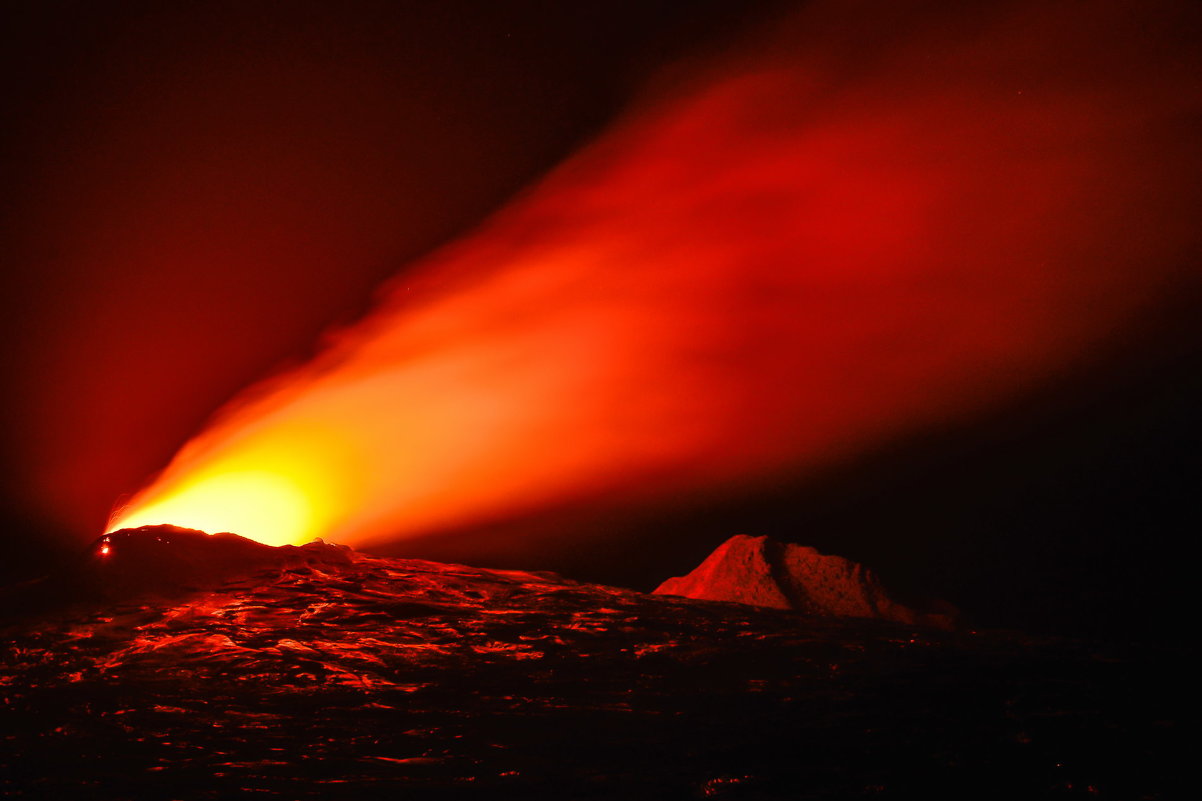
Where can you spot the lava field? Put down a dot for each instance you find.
(342, 675)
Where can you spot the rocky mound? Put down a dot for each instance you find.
(763, 572)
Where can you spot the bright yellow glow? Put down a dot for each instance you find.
(263, 506)
(278, 487)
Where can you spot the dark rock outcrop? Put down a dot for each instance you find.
(763, 572)
(166, 561)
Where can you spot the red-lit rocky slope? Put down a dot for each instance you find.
(778, 575)
(324, 673)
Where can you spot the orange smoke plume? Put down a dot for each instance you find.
(875, 220)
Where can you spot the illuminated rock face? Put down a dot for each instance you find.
(762, 572)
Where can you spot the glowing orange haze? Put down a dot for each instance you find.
(859, 230)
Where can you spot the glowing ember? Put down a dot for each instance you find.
(843, 242)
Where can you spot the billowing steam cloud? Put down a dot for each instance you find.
(878, 218)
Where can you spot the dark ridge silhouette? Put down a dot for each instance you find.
(164, 561)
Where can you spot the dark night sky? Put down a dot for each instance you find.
(195, 191)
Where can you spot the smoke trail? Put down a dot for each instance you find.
(870, 221)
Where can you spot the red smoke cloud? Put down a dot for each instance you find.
(855, 228)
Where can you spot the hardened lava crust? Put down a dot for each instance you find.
(319, 672)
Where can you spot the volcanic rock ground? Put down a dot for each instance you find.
(342, 675)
